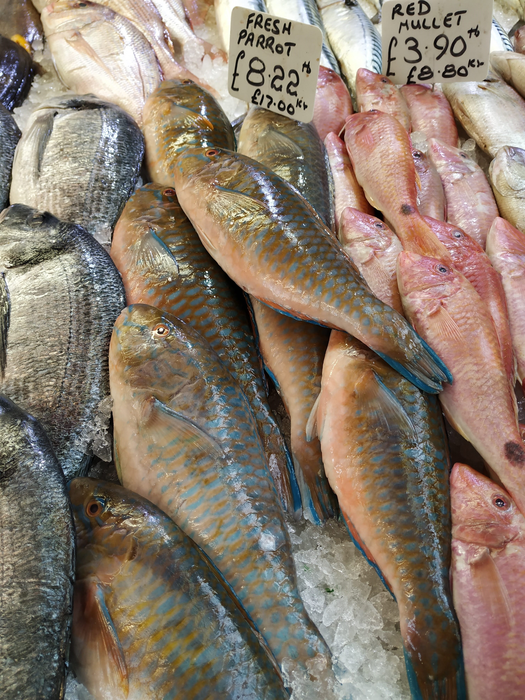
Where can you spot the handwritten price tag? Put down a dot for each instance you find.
(274, 62)
(436, 41)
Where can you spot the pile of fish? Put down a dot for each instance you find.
(364, 264)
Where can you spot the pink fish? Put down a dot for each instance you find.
(430, 113)
(430, 194)
(488, 571)
(470, 259)
(449, 314)
(348, 192)
(333, 103)
(506, 250)
(375, 91)
(470, 202)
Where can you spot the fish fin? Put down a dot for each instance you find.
(236, 205)
(377, 274)
(77, 42)
(490, 586)
(309, 510)
(311, 424)
(418, 181)
(446, 326)
(160, 416)
(5, 311)
(372, 201)
(377, 400)
(271, 140)
(361, 546)
(95, 636)
(187, 119)
(151, 256)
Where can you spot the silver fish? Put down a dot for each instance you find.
(60, 294)
(79, 158)
(9, 136)
(36, 561)
(507, 177)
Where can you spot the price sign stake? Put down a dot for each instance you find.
(436, 41)
(274, 62)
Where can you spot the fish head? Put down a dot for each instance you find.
(201, 170)
(68, 14)
(507, 172)
(149, 203)
(452, 163)
(28, 235)
(424, 279)
(327, 76)
(107, 517)
(365, 234)
(420, 161)
(483, 513)
(367, 81)
(458, 243)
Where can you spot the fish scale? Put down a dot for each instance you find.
(263, 235)
(181, 424)
(180, 631)
(163, 263)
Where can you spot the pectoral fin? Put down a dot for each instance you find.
(234, 206)
(378, 401)
(490, 586)
(445, 325)
(152, 257)
(311, 424)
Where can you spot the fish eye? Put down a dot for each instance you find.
(378, 224)
(169, 193)
(417, 154)
(161, 331)
(442, 269)
(457, 234)
(211, 152)
(94, 508)
(373, 111)
(384, 80)
(500, 502)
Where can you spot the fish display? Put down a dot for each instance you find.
(333, 103)
(180, 115)
(430, 113)
(203, 640)
(469, 199)
(16, 69)
(292, 150)
(507, 177)
(430, 192)
(10, 135)
(398, 510)
(254, 223)
(448, 312)
(376, 91)
(163, 263)
(36, 561)
(60, 295)
(98, 51)
(79, 159)
(181, 423)
(293, 353)
(488, 567)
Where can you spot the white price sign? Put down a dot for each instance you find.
(274, 62)
(436, 41)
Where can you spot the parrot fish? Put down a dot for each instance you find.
(186, 439)
(375, 91)
(264, 236)
(163, 263)
(180, 114)
(293, 353)
(430, 113)
(152, 617)
(487, 570)
(333, 103)
(448, 312)
(385, 455)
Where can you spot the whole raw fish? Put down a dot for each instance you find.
(223, 13)
(96, 50)
(60, 294)
(293, 353)
(507, 176)
(36, 561)
(80, 159)
(469, 258)
(265, 238)
(470, 202)
(21, 21)
(448, 312)
(430, 113)
(488, 567)
(163, 263)
(180, 114)
(294, 151)
(333, 103)
(510, 65)
(378, 143)
(186, 439)
(152, 617)
(506, 250)
(430, 193)
(16, 69)
(375, 91)
(347, 191)
(307, 12)
(9, 135)
(491, 112)
(355, 41)
(374, 249)
(385, 455)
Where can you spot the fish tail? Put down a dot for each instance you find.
(425, 370)
(451, 687)
(281, 467)
(417, 237)
(319, 501)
